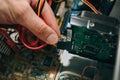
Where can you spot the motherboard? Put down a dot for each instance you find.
(86, 49)
(31, 65)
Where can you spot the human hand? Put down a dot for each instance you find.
(21, 12)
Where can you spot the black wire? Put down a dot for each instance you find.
(36, 10)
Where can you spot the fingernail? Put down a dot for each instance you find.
(52, 39)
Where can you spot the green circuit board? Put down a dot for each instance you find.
(92, 43)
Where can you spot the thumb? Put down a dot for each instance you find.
(37, 26)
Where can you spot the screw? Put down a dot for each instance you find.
(91, 24)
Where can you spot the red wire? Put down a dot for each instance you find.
(22, 31)
(31, 46)
(91, 6)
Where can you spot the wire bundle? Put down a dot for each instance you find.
(91, 6)
(27, 38)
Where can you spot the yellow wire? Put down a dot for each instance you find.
(41, 3)
(91, 6)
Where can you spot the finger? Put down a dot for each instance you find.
(49, 18)
(33, 3)
(36, 25)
